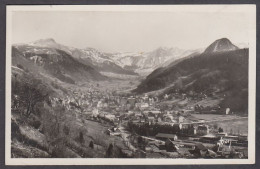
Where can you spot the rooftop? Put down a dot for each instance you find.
(164, 135)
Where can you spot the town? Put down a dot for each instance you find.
(158, 130)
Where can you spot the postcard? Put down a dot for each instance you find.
(130, 84)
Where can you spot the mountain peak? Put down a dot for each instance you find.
(47, 40)
(220, 45)
(162, 48)
(44, 42)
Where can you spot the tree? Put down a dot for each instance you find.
(220, 130)
(31, 91)
(81, 137)
(91, 144)
(66, 130)
(109, 152)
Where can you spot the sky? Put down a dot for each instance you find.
(130, 31)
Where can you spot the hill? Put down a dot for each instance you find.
(223, 72)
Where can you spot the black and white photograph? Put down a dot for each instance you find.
(128, 84)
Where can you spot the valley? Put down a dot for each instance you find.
(167, 103)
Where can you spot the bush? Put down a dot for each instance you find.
(35, 123)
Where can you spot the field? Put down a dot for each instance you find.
(235, 126)
(230, 123)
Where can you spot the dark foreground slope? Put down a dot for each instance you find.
(44, 128)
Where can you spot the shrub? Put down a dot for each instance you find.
(81, 137)
(20, 66)
(91, 144)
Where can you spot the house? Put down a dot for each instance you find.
(151, 101)
(99, 104)
(242, 138)
(144, 105)
(159, 119)
(95, 113)
(123, 101)
(145, 98)
(203, 130)
(164, 136)
(228, 139)
(221, 134)
(169, 118)
(113, 132)
(181, 119)
(150, 119)
(199, 151)
(227, 111)
(170, 146)
(111, 117)
(153, 112)
(142, 120)
(131, 101)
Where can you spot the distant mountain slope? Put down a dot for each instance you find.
(199, 70)
(90, 56)
(146, 62)
(54, 62)
(101, 61)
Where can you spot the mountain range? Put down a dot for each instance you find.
(128, 63)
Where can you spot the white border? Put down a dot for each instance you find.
(251, 9)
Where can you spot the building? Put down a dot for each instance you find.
(203, 130)
(209, 138)
(181, 119)
(150, 119)
(169, 118)
(95, 113)
(131, 101)
(221, 134)
(144, 105)
(199, 151)
(154, 112)
(113, 132)
(164, 136)
(111, 117)
(170, 146)
(227, 111)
